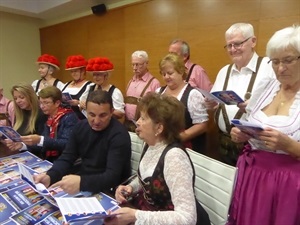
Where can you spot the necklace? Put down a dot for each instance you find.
(284, 102)
(45, 83)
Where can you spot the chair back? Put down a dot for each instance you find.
(137, 146)
(214, 186)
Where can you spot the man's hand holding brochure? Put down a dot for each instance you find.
(73, 208)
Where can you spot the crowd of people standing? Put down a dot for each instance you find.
(88, 122)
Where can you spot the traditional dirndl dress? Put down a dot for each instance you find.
(267, 190)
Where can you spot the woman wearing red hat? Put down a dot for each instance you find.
(48, 65)
(79, 85)
(101, 69)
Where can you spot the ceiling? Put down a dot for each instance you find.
(53, 9)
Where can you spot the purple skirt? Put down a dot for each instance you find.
(267, 190)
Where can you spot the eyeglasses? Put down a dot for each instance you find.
(137, 65)
(286, 61)
(45, 103)
(236, 45)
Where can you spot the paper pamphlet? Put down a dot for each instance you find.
(10, 133)
(6, 209)
(66, 97)
(27, 174)
(225, 97)
(26, 158)
(31, 203)
(248, 128)
(78, 209)
(35, 213)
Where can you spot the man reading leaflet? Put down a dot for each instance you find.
(102, 143)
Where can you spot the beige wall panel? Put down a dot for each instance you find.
(151, 25)
(106, 39)
(19, 49)
(279, 8)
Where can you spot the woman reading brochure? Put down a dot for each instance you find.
(267, 190)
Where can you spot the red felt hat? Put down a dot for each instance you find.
(75, 62)
(49, 59)
(99, 64)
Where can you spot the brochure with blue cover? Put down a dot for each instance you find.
(248, 128)
(10, 133)
(227, 97)
(6, 210)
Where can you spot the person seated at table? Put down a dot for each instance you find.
(57, 129)
(269, 166)
(79, 85)
(102, 143)
(29, 118)
(163, 190)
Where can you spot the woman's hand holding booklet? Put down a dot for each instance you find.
(249, 128)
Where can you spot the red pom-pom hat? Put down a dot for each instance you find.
(49, 60)
(75, 62)
(99, 64)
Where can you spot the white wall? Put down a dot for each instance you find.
(19, 49)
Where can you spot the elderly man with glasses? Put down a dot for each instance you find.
(245, 75)
(141, 83)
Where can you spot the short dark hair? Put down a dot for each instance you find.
(168, 111)
(100, 97)
(51, 92)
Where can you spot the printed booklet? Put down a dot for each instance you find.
(6, 210)
(25, 202)
(27, 175)
(66, 97)
(10, 133)
(248, 128)
(81, 209)
(26, 158)
(224, 97)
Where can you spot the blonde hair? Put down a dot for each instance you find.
(176, 61)
(28, 92)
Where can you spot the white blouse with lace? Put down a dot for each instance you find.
(289, 125)
(195, 105)
(178, 174)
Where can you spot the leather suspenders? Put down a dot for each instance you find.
(134, 100)
(239, 113)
